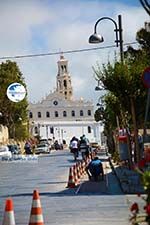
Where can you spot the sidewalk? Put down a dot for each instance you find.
(129, 180)
(108, 186)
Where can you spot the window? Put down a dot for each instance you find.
(65, 83)
(89, 112)
(39, 114)
(47, 114)
(81, 112)
(65, 68)
(56, 114)
(65, 94)
(51, 130)
(73, 113)
(30, 115)
(89, 129)
(64, 113)
(36, 130)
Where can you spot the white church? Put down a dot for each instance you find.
(59, 116)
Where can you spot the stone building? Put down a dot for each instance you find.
(59, 116)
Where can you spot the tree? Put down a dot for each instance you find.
(13, 115)
(124, 82)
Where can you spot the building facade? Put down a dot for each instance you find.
(59, 116)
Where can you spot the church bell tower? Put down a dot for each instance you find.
(64, 86)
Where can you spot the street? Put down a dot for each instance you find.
(89, 203)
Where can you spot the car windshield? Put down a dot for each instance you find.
(41, 145)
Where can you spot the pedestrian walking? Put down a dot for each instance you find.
(84, 146)
(74, 144)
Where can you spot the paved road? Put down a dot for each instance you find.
(91, 203)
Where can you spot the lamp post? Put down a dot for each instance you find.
(95, 38)
(145, 5)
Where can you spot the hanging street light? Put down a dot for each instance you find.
(96, 38)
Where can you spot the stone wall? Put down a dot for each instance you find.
(4, 136)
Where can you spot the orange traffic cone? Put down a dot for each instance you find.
(36, 217)
(75, 175)
(71, 181)
(9, 218)
(78, 171)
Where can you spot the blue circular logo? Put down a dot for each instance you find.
(16, 92)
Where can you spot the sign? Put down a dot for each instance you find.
(16, 92)
(146, 77)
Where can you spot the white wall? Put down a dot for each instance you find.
(66, 132)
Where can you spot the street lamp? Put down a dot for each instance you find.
(99, 86)
(95, 38)
(145, 5)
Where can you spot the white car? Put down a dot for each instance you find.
(4, 152)
(42, 148)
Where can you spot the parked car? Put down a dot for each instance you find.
(42, 148)
(44, 141)
(4, 152)
(94, 145)
(14, 149)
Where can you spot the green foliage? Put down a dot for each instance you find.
(13, 115)
(143, 37)
(116, 157)
(146, 181)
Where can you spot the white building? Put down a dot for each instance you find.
(59, 117)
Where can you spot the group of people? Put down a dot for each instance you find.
(95, 167)
(81, 145)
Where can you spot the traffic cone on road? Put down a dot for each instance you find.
(78, 170)
(71, 180)
(36, 217)
(75, 175)
(9, 218)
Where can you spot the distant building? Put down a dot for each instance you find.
(59, 116)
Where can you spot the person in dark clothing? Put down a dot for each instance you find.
(27, 148)
(95, 169)
(84, 147)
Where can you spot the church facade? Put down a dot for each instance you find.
(59, 116)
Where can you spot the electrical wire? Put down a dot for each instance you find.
(64, 52)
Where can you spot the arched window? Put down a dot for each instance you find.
(39, 115)
(65, 68)
(30, 115)
(89, 129)
(89, 112)
(47, 114)
(64, 113)
(56, 113)
(81, 113)
(65, 83)
(73, 113)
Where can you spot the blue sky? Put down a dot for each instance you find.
(42, 26)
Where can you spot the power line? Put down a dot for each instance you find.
(65, 52)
